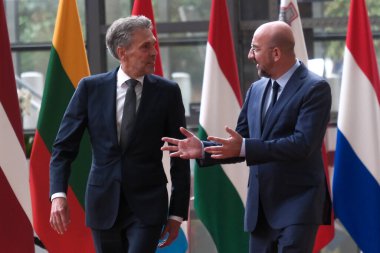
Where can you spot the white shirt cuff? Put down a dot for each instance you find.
(242, 149)
(58, 195)
(176, 218)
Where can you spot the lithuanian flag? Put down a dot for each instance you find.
(67, 65)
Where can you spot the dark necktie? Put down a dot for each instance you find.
(275, 88)
(129, 113)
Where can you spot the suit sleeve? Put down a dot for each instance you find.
(306, 136)
(179, 168)
(66, 145)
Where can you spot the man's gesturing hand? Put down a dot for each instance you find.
(230, 147)
(189, 148)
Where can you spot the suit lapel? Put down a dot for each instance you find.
(257, 105)
(108, 96)
(290, 89)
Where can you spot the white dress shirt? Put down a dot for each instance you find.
(121, 90)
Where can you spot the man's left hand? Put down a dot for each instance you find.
(230, 147)
(171, 230)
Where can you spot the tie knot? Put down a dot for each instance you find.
(132, 83)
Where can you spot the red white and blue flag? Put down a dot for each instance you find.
(356, 184)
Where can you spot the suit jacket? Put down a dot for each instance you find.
(284, 155)
(138, 171)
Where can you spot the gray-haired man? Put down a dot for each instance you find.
(126, 112)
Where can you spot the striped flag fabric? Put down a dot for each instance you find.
(289, 13)
(220, 190)
(16, 210)
(356, 184)
(180, 245)
(67, 65)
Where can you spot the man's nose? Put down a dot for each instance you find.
(154, 51)
(251, 55)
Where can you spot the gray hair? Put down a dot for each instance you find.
(121, 31)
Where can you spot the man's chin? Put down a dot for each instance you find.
(146, 71)
(150, 69)
(262, 73)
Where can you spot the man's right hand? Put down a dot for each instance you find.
(189, 148)
(59, 215)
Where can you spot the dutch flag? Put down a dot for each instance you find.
(356, 184)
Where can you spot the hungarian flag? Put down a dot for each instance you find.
(289, 13)
(144, 7)
(67, 65)
(220, 190)
(356, 185)
(15, 211)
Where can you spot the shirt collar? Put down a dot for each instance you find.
(283, 80)
(122, 77)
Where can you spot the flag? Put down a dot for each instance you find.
(289, 13)
(220, 190)
(67, 65)
(144, 7)
(15, 211)
(356, 184)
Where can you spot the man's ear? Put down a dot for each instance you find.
(276, 53)
(121, 52)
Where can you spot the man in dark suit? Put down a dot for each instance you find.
(279, 134)
(126, 112)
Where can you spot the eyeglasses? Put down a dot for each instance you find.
(255, 50)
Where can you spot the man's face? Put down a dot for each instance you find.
(140, 57)
(261, 53)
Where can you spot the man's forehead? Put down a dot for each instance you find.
(142, 35)
(254, 41)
